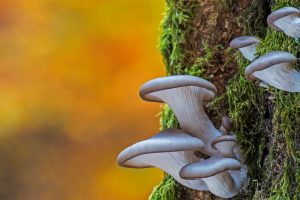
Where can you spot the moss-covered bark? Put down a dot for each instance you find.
(195, 39)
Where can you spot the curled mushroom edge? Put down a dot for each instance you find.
(287, 20)
(174, 151)
(247, 46)
(169, 150)
(275, 69)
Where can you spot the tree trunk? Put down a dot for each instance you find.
(195, 40)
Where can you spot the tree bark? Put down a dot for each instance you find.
(195, 40)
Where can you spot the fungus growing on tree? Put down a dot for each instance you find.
(247, 46)
(275, 69)
(286, 19)
(186, 95)
(170, 150)
(176, 151)
(224, 177)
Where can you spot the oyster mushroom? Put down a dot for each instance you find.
(227, 125)
(275, 69)
(186, 95)
(170, 150)
(247, 46)
(286, 19)
(224, 177)
(225, 145)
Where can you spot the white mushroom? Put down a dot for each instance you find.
(286, 19)
(186, 95)
(170, 150)
(224, 177)
(275, 69)
(247, 46)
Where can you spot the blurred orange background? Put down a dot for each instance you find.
(70, 71)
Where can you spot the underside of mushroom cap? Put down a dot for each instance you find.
(177, 81)
(267, 60)
(243, 41)
(170, 150)
(169, 140)
(280, 13)
(209, 167)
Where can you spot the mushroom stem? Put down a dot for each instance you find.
(187, 104)
(222, 185)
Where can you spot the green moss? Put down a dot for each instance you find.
(248, 104)
(168, 189)
(176, 25)
(248, 107)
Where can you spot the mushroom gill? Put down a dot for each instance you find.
(286, 19)
(186, 95)
(275, 69)
(169, 150)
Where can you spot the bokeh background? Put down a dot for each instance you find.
(70, 71)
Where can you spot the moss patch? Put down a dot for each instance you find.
(168, 189)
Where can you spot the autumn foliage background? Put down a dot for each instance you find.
(70, 71)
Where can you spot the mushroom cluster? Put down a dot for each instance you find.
(199, 156)
(275, 68)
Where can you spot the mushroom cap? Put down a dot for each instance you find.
(169, 140)
(282, 12)
(227, 123)
(267, 60)
(170, 82)
(223, 138)
(243, 41)
(209, 167)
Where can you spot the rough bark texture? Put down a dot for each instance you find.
(195, 40)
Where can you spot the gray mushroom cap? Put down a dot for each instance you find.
(170, 150)
(224, 177)
(243, 41)
(287, 20)
(280, 13)
(209, 167)
(227, 125)
(275, 69)
(177, 81)
(247, 46)
(169, 140)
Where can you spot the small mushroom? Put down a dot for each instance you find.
(224, 177)
(170, 150)
(185, 95)
(247, 46)
(227, 125)
(275, 69)
(225, 145)
(286, 19)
